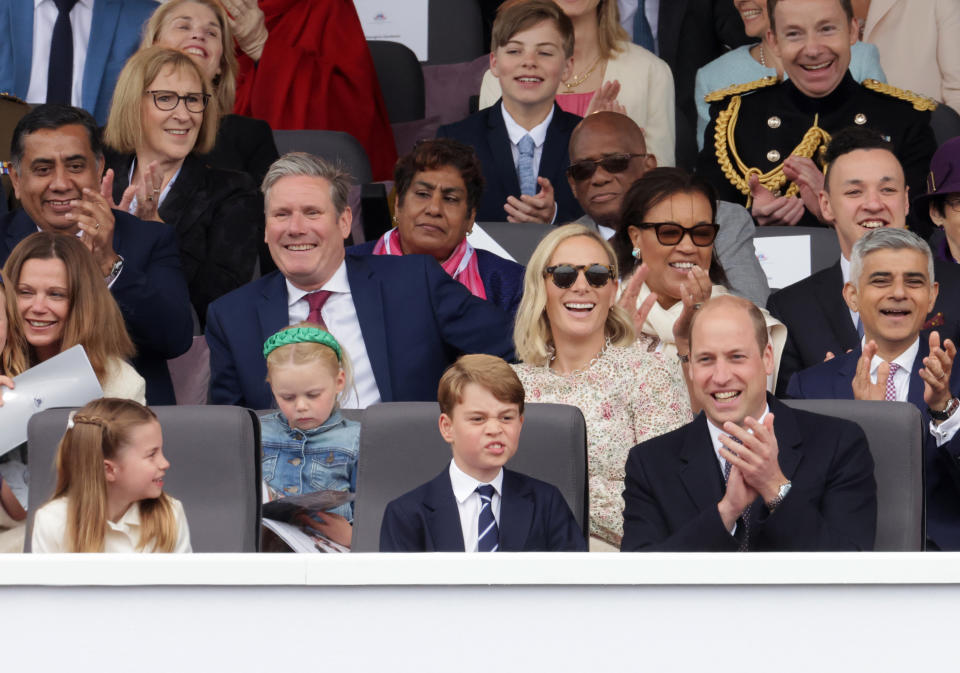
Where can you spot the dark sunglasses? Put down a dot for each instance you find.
(565, 275)
(671, 233)
(584, 170)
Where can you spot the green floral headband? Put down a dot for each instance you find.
(298, 335)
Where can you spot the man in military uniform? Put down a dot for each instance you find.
(764, 143)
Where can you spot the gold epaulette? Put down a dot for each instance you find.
(10, 97)
(738, 89)
(921, 103)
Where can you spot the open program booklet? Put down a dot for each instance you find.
(293, 519)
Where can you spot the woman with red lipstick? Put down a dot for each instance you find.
(438, 189)
(577, 347)
(60, 300)
(163, 115)
(668, 223)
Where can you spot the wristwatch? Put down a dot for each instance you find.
(781, 494)
(941, 416)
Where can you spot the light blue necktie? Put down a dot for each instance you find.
(642, 33)
(528, 178)
(488, 536)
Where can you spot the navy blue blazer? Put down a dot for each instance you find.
(673, 484)
(533, 517)
(502, 278)
(487, 133)
(832, 380)
(150, 291)
(114, 36)
(818, 320)
(415, 320)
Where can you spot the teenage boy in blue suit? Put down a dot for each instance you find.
(522, 140)
(892, 287)
(475, 504)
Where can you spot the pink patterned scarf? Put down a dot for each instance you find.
(461, 265)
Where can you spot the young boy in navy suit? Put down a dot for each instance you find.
(522, 140)
(475, 504)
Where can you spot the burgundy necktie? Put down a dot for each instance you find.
(891, 395)
(316, 301)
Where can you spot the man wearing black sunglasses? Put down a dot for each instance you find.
(608, 154)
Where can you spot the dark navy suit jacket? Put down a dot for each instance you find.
(673, 484)
(114, 35)
(533, 517)
(150, 291)
(415, 320)
(818, 320)
(486, 132)
(832, 380)
(502, 279)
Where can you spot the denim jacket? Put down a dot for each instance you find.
(302, 461)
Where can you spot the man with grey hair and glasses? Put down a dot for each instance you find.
(892, 287)
(402, 319)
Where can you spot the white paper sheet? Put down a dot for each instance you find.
(65, 380)
(785, 259)
(481, 240)
(404, 22)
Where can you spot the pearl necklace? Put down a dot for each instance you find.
(763, 61)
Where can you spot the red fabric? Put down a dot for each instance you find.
(316, 72)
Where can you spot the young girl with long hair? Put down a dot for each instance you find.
(109, 495)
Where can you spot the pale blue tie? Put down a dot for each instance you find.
(642, 32)
(488, 536)
(528, 178)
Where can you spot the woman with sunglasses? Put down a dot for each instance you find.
(438, 188)
(163, 113)
(577, 347)
(668, 223)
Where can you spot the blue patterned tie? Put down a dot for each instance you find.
(642, 32)
(528, 179)
(744, 519)
(488, 536)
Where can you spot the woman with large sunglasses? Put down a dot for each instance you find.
(163, 114)
(668, 223)
(577, 347)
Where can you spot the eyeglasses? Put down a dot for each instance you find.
(671, 233)
(615, 163)
(565, 275)
(168, 100)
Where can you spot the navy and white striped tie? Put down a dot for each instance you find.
(488, 536)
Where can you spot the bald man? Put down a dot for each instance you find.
(608, 154)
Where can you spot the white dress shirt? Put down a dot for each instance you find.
(628, 9)
(44, 16)
(122, 537)
(469, 504)
(901, 382)
(715, 433)
(516, 133)
(340, 316)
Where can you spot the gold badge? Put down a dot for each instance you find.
(860, 119)
(774, 122)
(773, 156)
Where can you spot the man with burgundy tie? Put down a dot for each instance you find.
(749, 473)
(892, 287)
(69, 51)
(402, 319)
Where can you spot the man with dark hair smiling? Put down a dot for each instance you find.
(765, 138)
(749, 473)
(864, 190)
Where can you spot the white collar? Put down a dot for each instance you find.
(516, 132)
(715, 432)
(337, 283)
(464, 485)
(130, 519)
(845, 269)
(905, 359)
(88, 4)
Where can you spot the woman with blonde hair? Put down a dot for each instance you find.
(163, 114)
(577, 346)
(201, 29)
(58, 300)
(109, 495)
(610, 73)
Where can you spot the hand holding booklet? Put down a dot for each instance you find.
(300, 520)
(65, 380)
